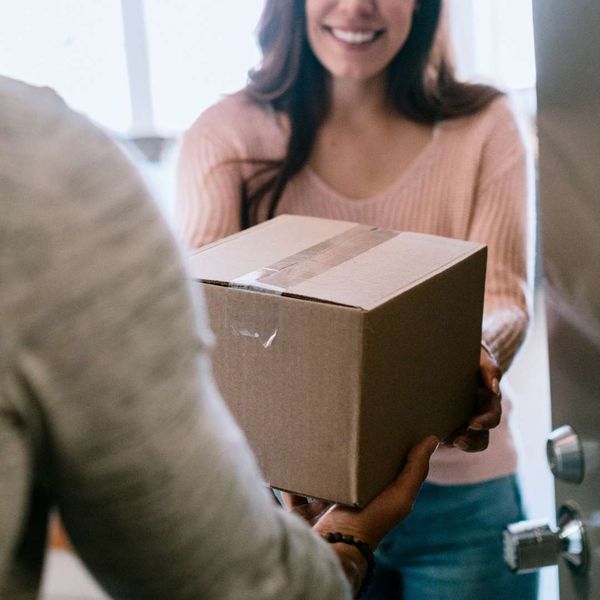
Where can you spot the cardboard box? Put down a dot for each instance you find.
(341, 345)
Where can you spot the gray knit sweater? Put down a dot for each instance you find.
(107, 406)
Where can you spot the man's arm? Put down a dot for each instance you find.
(154, 481)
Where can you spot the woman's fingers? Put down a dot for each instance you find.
(490, 372)
(475, 437)
(490, 412)
(472, 441)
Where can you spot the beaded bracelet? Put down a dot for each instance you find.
(362, 547)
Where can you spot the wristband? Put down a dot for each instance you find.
(362, 547)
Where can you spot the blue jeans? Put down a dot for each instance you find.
(450, 547)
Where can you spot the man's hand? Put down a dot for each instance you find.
(309, 511)
(371, 523)
(389, 508)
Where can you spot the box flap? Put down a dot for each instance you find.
(262, 245)
(332, 261)
(373, 277)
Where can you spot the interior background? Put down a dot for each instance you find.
(114, 61)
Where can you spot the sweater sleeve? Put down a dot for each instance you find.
(220, 150)
(155, 483)
(209, 183)
(503, 220)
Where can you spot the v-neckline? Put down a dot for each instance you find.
(412, 166)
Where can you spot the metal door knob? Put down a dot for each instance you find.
(531, 545)
(565, 455)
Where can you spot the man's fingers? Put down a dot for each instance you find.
(312, 511)
(293, 500)
(391, 506)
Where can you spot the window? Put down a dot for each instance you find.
(74, 46)
(211, 42)
(493, 41)
(137, 67)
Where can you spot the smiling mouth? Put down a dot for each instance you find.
(355, 37)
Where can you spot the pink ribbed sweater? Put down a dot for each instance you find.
(470, 182)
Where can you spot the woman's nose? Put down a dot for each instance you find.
(358, 6)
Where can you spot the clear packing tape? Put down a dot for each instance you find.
(281, 277)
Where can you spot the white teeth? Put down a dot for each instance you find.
(353, 37)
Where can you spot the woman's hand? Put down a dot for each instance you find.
(475, 435)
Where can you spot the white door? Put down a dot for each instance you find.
(567, 36)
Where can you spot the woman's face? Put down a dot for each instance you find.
(357, 39)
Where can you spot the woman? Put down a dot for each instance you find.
(348, 117)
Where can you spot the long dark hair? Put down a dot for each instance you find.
(291, 80)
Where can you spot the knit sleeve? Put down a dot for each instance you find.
(209, 184)
(111, 393)
(502, 220)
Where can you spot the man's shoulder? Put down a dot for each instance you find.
(25, 107)
(38, 126)
(13, 91)
(55, 163)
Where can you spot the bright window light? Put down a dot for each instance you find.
(73, 46)
(493, 41)
(198, 51)
(150, 67)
